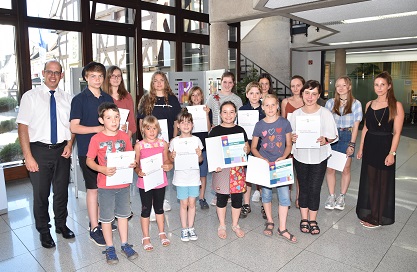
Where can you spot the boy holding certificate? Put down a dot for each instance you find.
(186, 153)
(273, 133)
(114, 201)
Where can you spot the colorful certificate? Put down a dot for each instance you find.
(271, 175)
(226, 151)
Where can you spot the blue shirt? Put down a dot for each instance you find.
(84, 107)
(346, 121)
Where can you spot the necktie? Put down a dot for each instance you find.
(52, 112)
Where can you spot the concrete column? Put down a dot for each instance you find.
(219, 45)
(340, 63)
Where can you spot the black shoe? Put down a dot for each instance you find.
(245, 210)
(65, 231)
(46, 240)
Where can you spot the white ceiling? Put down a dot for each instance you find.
(326, 15)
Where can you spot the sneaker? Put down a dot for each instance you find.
(152, 217)
(184, 235)
(96, 235)
(340, 202)
(128, 251)
(192, 235)
(214, 201)
(245, 211)
(203, 204)
(256, 197)
(111, 256)
(166, 206)
(113, 226)
(331, 200)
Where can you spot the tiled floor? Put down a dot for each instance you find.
(343, 245)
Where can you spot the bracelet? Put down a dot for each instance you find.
(352, 144)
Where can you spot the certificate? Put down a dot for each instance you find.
(226, 151)
(154, 174)
(247, 119)
(186, 157)
(271, 175)
(124, 113)
(308, 131)
(163, 123)
(199, 118)
(122, 161)
(337, 161)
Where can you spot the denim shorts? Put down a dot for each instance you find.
(342, 144)
(113, 203)
(283, 195)
(204, 165)
(184, 192)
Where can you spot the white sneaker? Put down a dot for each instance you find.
(213, 201)
(330, 202)
(166, 206)
(256, 197)
(184, 235)
(340, 202)
(192, 235)
(152, 218)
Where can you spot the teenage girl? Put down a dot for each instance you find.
(229, 181)
(196, 97)
(149, 146)
(274, 134)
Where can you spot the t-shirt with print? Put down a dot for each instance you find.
(102, 144)
(272, 137)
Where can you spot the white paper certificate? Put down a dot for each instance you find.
(272, 175)
(248, 119)
(124, 113)
(186, 157)
(163, 123)
(154, 174)
(120, 160)
(308, 131)
(199, 118)
(226, 151)
(337, 161)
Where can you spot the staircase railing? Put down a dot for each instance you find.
(248, 67)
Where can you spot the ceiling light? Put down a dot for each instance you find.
(382, 17)
(377, 40)
(380, 51)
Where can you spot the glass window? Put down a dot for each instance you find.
(170, 3)
(112, 13)
(157, 55)
(232, 34)
(156, 21)
(9, 145)
(195, 5)
(195, 57)
(61, 10)
(196, 27)
(233, 62)
(6, 4)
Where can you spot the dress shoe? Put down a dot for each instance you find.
(46, 240)
(66, 232)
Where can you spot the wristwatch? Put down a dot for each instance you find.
(393, 153)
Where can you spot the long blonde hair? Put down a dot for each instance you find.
(348, 107)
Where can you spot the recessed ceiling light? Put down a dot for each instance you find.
(382, 17)
(380, 51)
(376, 40)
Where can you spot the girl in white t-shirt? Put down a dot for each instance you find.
(187, 148)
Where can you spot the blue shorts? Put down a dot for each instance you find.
(283, 195)
(342, 144)
(204, 165)
(113, 203)
(184, 192)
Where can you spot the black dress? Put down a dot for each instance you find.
(376, 196)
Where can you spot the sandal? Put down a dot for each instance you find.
(165, 241)
(304, 228)
(263, 212)
(281, 235)
(221, 232)
(238, 231)
(147, 247)
(245, 210)
(314, 227)
(269, 231)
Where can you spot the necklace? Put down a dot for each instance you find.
(379, 122)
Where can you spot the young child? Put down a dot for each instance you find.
(114, 201)
(253, 94)
(149, 146)
(229, 181)
(187, 181)
(274, 133)
(196, 97)
(85, 124)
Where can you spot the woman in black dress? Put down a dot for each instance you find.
(381, 133)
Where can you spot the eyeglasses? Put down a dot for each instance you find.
(50, 73)
(115, 77)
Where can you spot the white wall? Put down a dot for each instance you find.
(301, 66)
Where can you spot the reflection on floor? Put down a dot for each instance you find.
(343, 245)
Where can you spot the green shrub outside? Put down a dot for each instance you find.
(7, 125)
(7, 104)
(11, 152)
